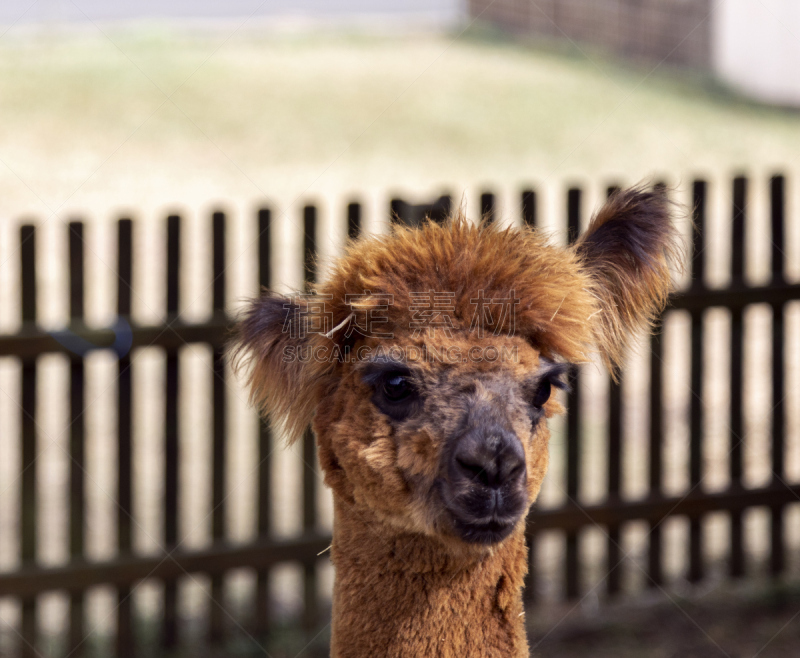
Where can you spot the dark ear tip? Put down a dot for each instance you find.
(263, 318)
(639, 203)
(629, 251)
(283, 388)
(264, 312)
(635, 223)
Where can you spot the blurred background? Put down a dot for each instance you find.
(161, 160)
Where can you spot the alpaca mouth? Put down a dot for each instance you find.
(491, 532)
(478, 518)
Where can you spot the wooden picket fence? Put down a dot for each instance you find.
(30, 579)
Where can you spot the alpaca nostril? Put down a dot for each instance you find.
(511, 468)
(516, 471)
(474, 471)
(492, 462)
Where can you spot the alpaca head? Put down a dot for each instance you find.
(427, 362)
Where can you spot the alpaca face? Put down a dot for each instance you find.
(455, 448)
(427, 361)
(469, 439)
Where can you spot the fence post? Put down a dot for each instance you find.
(573, 423)
(170, 628)
(654, 570)
(528, 210)
(613, 549)
(777, 212)
(488, 207)
(28, 497)
(125, 640)
(413, 215)
(529, 216)
(353, 220)
(699, 209)
(654, 562)
(311, 612)
(736, 381)
(219, 430)
(77, 435)
(264, 439)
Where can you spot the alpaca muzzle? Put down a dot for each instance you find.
(485, 488)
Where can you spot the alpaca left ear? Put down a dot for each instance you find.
(285, 375)
(627, 251)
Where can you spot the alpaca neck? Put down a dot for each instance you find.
(399, 594)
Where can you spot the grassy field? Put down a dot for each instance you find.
(109, 118)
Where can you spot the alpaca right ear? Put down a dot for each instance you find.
(628, 250)
(284, 378)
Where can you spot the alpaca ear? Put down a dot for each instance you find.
(628, 250)
(275, 340)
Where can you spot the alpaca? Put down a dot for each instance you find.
(425, 366)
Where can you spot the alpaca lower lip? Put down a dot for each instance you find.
(483, 533)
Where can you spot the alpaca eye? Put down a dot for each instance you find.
(542, 394)
(394, 389)
(397, 388)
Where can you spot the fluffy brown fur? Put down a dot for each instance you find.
(628, 249)
(416, 573)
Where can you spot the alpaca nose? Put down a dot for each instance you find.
(492, 459)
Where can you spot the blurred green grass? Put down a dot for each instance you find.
(152, 115)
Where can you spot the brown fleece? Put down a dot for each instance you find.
(407, 583)
(403, 595)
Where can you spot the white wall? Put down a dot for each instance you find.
(756, 48)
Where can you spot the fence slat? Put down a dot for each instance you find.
(529, 209)
(778, 427)
(488, 207)
(736, 382)
(736, 440)
(125, 640)
(170, 623)
(310, 606)
(219, 432)
(28, 437)
(262, 618)
(353, 220)
(571, 563)
(654, 559)
(414, 214)
(529, 218)
(699, 208)
(613, 552)
(738, 228)
(655, 573)
(777, 421)
(655, 568)
(777, 207)
(76, 436)
(529, 594)
(613, 549)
